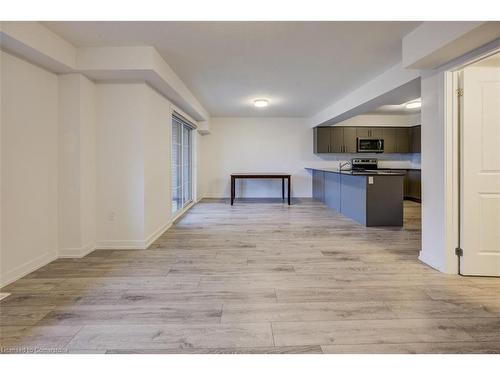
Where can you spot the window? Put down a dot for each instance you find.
(182, 179)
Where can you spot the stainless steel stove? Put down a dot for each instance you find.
(361, 165)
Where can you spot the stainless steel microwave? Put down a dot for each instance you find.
(375, 145)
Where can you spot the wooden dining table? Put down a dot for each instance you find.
(282, 176)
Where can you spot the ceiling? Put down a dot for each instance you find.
(300, 67)
(395, 109)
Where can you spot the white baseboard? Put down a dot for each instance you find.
(133, 244)
(156, 234)
(26, 268)
(428, 261)
(120, 245)
(79, 252)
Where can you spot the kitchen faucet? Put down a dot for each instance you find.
(343, 164)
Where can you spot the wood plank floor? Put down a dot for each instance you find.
(258, 277)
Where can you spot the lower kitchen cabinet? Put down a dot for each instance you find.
(414, 185)
(332, 190)
(318, 185)
(370, 200)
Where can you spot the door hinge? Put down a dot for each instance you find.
(459, 252)
(460, 92)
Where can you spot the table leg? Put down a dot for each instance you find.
(232, 190)
(283, 188)
(289, 181)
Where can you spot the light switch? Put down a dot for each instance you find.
(370, 180)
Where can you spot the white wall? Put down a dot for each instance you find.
(133, 165)
(433, 171)
(120, 110)
(90, 171)
(88, 163)
(158, 151)
(256, 145)
(29, 127)
(77, 165)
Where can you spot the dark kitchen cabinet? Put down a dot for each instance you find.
(396, 140)
(334, 140)
(402, 140)
(414, 185)
(322, 139)
(343, 139)
(337, 139)
(349, 135)
(332, 190)
(369, 132)
(389, 140)
(416, 136)
(318, 185)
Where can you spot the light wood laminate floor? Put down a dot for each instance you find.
(258, 277)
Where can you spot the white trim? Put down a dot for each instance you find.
(26, 268)
(193, 168)
(77, 252)
(451, 151)
(121, 245)
(429, 261)
(174, 108)
(451, 154)
(181, 212)
(157, 233)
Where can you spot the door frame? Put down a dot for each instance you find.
(453, 152)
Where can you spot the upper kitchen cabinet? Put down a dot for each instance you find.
(349, 140)
(396, 140)
(337, 139)
(322, 140)
(416, 136)
(343, 139)
(403, 140)
(334, 140)
(389, 140)
(369, 132)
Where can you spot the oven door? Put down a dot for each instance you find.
(370, 145)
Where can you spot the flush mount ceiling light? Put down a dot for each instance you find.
(261, 103)
(414, 104)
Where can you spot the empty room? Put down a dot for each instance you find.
(250, 187)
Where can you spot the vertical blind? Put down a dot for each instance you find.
(182, 179)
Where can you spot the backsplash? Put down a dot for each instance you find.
(403, 161)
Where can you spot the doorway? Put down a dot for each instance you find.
(478, 109)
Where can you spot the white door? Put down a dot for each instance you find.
(480, 160)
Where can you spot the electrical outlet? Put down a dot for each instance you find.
(370, 180)
(111, 216)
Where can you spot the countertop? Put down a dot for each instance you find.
(380, 172)
(403, 169)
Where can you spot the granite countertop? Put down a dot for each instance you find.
(383, 172)
(403, 169)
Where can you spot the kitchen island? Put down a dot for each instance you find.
(372, 198)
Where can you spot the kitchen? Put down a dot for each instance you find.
(376, 164)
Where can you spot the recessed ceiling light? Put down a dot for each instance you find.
(261, 103)
(413, 105)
